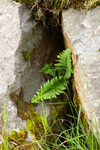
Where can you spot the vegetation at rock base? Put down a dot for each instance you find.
(27, 112)
(74, 136)
(70, 134)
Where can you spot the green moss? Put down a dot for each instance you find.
(90, 4)
(25, 110)
(18, 136)
(35, 126)
(29, 55)
(18, 140)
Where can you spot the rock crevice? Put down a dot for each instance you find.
(18, 33)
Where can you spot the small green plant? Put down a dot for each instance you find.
(4, 137)
(61, 72)
(75, 136)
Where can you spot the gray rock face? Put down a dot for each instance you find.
(81, 32)
(18, 33)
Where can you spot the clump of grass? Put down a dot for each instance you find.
(4, 136)
(49, 11)
(91, 4)
(76, 137)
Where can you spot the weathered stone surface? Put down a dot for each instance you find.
(16, 35)
(81, 32)
(18, 32)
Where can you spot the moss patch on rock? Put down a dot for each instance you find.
(36, 124)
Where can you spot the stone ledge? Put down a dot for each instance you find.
(81, 32)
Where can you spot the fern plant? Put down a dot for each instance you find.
(49, 69)
(61, 72)
(64, 66)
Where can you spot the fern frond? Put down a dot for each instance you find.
(63, 65)
(48, 69)
(51, 88)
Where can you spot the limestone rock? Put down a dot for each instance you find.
(18, 33)
(81, 32)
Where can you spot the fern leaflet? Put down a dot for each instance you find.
(51, 88)
(63, 65)
(48, 69)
